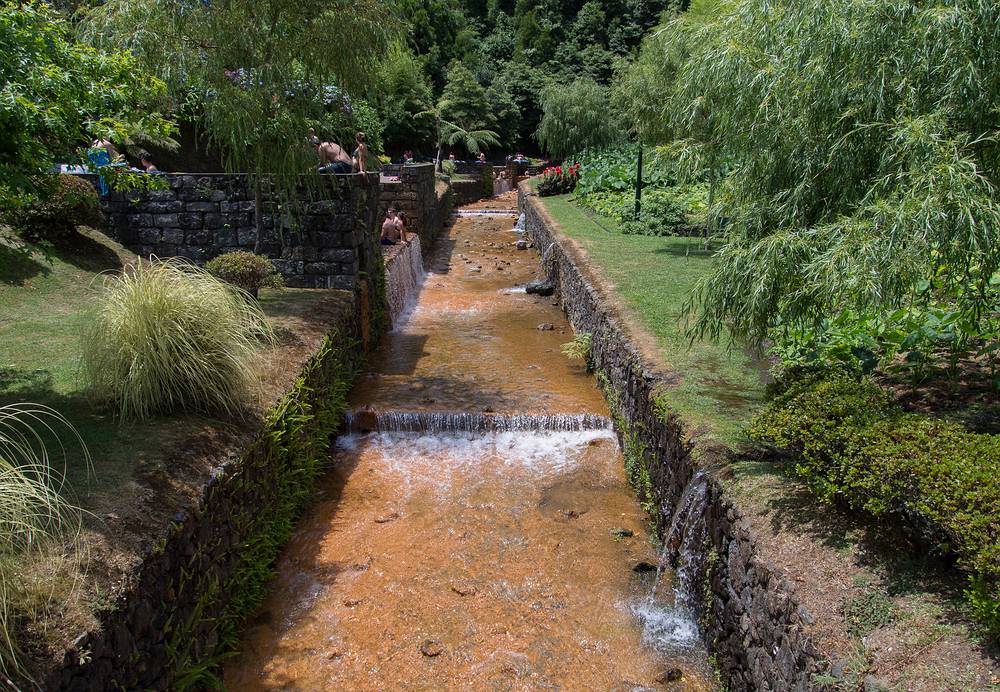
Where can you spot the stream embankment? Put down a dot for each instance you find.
(477, 528)
(749, 614)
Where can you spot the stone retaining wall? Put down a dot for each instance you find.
(318, 242)
(414, 193)
(175, 609)
(474, 185)
(749, 613)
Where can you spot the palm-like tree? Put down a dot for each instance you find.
(451, 133)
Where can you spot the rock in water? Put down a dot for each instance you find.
(431, 648)
(522, 245)
(540, 287)
(546, 327)
(671, 675)
(644, 567)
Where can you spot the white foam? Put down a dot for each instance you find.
(446, 459)
(665, 627)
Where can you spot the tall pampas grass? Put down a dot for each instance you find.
(36, 522)
(169, 336)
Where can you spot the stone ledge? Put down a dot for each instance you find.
(750, 616)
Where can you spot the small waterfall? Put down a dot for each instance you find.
(404, 275)
(455, 422)
(666, 626)
(484, 212)
(519, 226)
(684, 538)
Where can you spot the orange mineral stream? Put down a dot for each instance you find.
(473, 560)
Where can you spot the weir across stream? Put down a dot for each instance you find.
(476, 530)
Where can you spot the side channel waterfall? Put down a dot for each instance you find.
(476, 530)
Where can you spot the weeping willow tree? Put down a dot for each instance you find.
(262, 71)
(575, 117)
(863, 134)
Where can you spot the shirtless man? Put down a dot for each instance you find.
(390, 229)
(333, 159)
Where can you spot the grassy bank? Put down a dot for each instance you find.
(719, 388)
(885, 614)
(143, 472)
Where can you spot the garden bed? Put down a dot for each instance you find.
(878, 615)
(144, 473)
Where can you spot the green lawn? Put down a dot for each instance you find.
(719, 387)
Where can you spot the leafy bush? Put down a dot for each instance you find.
(578, 348)
(558, 181)
(59, 205)
(169, 336)
(246, 271)
(614, 170)
(662, 209)
(33, 515)
(910, 340)
(852, 445)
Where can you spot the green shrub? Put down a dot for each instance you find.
(33, 515)
(246, 271)
(60, 204)
(169, 336)
(662, 210)
(579, 348)
(852, 445)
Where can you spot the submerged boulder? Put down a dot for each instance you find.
(540, 287)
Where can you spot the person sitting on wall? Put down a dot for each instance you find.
(360, 157)
(482, 157)
(103, 153)
(401, 224)
(407, 156)
(146, 163)
(390, 228)
(333, 158)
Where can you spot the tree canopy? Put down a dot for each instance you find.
(58, 94)
(863, 136)
(576, 117)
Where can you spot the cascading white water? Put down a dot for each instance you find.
(404, 277)
(439, 422)
(519, 226)
(667, 624)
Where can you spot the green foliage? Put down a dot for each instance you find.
(59, 205)
(294, 447)
(56, 95)
(607, 185)
(577, 116)
(558, 181)
(868, 611)
(246, 271)
(405, 92)
(168, 336)
(264, 71)
(912, 341)
(852, 445)
(34, 517)
(579, 347)
(853, 185)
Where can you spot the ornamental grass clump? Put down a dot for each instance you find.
(36, 522)
(169, 336)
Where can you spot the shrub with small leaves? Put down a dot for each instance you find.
(941, 483)
(59, 204)
(246, 271)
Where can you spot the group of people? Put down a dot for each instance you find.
(333, 158)
(394, 228)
